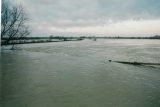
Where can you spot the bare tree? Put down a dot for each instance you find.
(13, 24)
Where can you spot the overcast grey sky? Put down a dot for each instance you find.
(99, 17)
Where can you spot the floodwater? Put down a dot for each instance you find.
(78, 74)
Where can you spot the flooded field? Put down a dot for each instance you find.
(78, 74)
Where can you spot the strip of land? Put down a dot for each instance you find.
(29, 40)
(135, 63)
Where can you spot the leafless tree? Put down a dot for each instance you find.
(13, 23)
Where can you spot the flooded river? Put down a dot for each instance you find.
(78, 74)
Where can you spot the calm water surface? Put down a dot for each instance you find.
(78, 74)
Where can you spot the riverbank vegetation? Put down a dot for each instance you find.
(13, 24)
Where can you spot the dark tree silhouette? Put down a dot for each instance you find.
(13, 24)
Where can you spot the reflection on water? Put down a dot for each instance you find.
(78, 74)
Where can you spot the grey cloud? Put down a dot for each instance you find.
(70, 13)
(92, 9)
